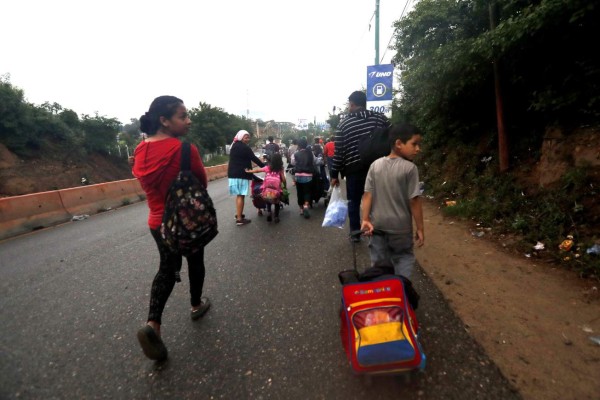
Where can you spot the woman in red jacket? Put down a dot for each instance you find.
(157, 161)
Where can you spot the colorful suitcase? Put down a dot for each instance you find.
(378, 326)
(379, 329)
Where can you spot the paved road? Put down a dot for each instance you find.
(72, 298)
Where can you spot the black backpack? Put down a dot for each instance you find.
(374, 145)
(190, 219)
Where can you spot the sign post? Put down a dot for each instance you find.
(380, 80)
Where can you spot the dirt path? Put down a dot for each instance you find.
(533, 320)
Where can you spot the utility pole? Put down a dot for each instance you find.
(502, 140)
(376, 32)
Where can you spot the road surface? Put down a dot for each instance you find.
(72, 298)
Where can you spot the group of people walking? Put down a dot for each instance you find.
(388, 190)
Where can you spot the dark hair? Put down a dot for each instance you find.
(162, 106)
(270, 139)
(317, 140)
(302, 143)
(294, 141)
(359, 98)
(276, 163)
(402, 132)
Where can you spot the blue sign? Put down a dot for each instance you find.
(380, 79)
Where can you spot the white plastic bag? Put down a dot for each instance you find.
(337, 210)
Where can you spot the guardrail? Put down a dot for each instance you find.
(22, 214)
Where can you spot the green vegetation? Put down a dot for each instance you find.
(27, 129)
(217, 160)
(548, 79)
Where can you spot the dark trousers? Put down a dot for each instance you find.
(324, 178)
(276, 206)
(165, 278)
(304, 192)
(355, 187)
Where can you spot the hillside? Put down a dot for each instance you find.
(56, 170)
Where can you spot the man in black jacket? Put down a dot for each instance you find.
(358, 122)
(271, 148)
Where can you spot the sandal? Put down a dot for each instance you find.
(152, 344)
(305, 212)
(200, 311)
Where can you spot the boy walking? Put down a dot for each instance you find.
(390, 202)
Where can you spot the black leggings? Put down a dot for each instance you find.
(165, 278)
(304, 193)
(276, 206)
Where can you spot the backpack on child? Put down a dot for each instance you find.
(190, 219)
(271, 187)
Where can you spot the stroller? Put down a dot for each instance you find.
(318, 188)
(379, 329)
(257, 199)
(256, 188)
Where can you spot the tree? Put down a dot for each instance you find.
(212, 128)
(100, 133)
(445, 49)
(13, 117)
(130, 135)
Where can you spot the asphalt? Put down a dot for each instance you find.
(72, 298)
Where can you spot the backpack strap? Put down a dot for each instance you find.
(185, 157)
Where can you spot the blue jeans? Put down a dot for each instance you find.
(355, 187)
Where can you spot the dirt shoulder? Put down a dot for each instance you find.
(535, 321)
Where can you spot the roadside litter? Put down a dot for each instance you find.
(595, 249)
(80, 217)
(567, 244)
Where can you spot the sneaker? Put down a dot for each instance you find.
(242, 221)
(243, 216)
(260, 213)
(305, 213)
(151, 343)
(269, 218)
(199, 313)
(276, 219)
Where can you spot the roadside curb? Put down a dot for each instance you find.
(22, 214)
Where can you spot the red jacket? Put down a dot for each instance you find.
(329, 149)
(156, 165)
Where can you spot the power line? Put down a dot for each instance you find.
(393, 33)
(363, 35)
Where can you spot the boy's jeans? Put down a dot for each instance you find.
(396, 250)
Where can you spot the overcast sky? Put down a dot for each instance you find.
(282, 60)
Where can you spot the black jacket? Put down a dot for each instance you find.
(305, 161)
(240, 158)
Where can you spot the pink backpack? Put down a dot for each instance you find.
(271, 187)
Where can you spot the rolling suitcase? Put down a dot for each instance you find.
(378, 326)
